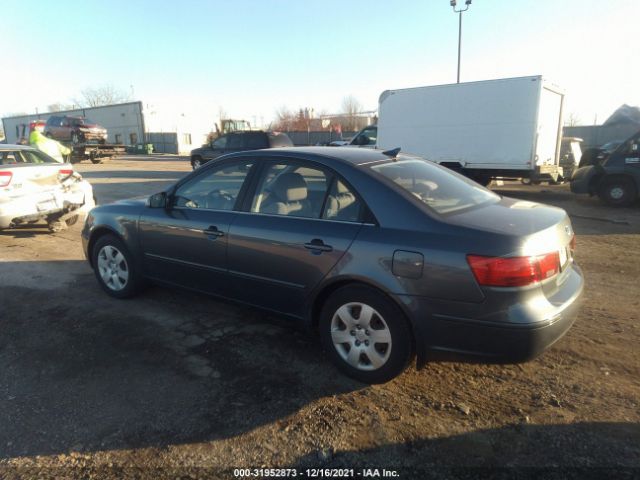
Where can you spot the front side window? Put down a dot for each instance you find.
(219, 143)
(292, 190)
(437, 187)
(214, 189)
(255, 141)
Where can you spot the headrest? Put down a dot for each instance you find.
(342, 188)
(290, 187)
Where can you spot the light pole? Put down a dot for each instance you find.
(459, 12)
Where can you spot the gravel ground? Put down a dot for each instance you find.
(176, 385)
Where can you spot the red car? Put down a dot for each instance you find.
(74, 129)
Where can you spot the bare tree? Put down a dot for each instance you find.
(351, 108)
(58, 107)
(285, 120)
(99, 96)
(572, 121)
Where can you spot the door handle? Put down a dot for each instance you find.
(317, 245)
(213, 231)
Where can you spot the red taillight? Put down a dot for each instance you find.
(64, 173)
(513, 271)
(5, 179)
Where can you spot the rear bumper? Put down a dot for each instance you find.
(78, 198)
(514, 334)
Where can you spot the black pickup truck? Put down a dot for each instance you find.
(616, 178)
(237, 142)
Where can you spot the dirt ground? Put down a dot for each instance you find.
(176, 385)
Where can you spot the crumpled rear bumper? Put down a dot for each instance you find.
(73, 196)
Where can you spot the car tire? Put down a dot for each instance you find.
(115, 268)
(617, 191)
(196, 162)
(343, 329)
(71, 220)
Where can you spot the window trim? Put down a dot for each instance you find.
(213, 166)
(365, 214)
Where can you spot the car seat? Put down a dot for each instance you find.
(288, 196)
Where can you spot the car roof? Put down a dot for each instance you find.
(10, 146)
(351, 155)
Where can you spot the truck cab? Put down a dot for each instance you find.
(367, 137)
(616, 179)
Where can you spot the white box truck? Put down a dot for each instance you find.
(504, 128)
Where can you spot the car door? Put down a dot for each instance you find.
(186, 242)
(53, 127)
(217, 148)
(285, 242)
(234, 143)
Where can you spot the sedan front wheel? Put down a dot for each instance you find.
(365, 334)
(114, 267)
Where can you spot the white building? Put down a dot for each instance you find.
(126, 124)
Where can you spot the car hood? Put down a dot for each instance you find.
(201, 150)
(130, 205)
(510, 216)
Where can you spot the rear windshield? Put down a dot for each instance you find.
(441, 189)
(19, 157)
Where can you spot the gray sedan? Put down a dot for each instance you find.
(387, 257)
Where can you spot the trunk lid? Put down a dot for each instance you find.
(536, 229)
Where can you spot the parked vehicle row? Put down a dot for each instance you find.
(386, 256)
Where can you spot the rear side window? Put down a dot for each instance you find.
(234, 142)
(292, 190)
(441, 189)
(254, 141)
(341, 204)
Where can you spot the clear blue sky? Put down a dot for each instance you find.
(252, 57)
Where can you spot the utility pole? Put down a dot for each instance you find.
(453, 4)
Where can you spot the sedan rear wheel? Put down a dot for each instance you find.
(114, 267)
(365, 334)
(196, 162)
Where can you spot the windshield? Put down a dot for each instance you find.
(80, 121)
(441, 189)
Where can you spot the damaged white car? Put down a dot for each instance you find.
(34, 188)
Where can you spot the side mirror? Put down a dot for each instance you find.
(634, 147)
(157, 200)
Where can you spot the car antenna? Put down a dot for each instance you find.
(392, 153)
